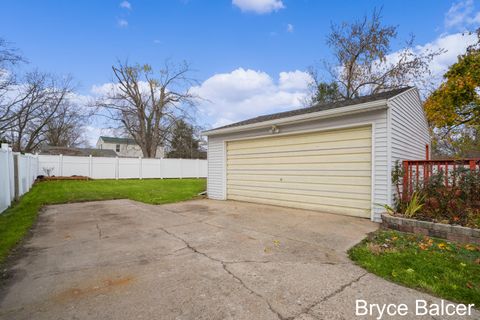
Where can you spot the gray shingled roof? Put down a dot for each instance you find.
(319, 107)
(118, 140)
(66, 151)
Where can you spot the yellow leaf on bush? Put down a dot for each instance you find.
(470, 247)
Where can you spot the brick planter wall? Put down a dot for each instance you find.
(437, 230)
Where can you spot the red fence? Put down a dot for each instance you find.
(417, 172)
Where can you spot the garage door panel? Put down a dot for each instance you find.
(325, 158)
(306, 178)
(350, 188)
(305, 145)
(308, 206)
(303, 191)
(303, 166)
(329, 171)
(306, 152)
(337, 135)
(353, 203)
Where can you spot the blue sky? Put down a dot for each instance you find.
(227, 42)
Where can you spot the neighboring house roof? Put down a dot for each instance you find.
(118, 140)
(66, 151)
(314, 109)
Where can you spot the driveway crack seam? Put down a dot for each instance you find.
(309, 308)
(99, 232)
(224, 266)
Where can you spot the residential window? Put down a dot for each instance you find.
(117, 148)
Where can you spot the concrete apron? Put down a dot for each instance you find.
(199, 259)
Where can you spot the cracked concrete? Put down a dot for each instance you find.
(199, 259)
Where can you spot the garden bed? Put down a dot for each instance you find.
(439, 230)
(54, 178)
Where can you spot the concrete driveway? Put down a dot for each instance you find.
(193, 260)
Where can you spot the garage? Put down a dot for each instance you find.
(329, 171)
(335, 157)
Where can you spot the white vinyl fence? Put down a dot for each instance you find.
(17, 174)
(121, 168)
(19, 171)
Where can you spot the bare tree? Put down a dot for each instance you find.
(364, 63)
(37, 102)
(9, 57)
(146, 104)
(66, 128)
(35, 107)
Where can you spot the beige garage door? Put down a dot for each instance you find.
(327, 171)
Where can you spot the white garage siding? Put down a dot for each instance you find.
(409, 133)
(216, 185)
(399, 131)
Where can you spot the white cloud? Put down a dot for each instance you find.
(245, 93)
(454, 44)
(462, 14)
(125, 5)
(294, 80)
(259, 6)
(122, 23)
(290, 27)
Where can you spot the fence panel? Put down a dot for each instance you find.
(103, 168)
(151, 168)
(5, 173)
(49, 165)
(172, 168)
(128, 168)
(12, 185)
(75, 166)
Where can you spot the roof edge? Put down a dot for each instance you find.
(356, 108)
(404, 92)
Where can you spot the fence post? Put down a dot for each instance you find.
(405, 181)
(90, 166)
(60, 165)
(181, 168)
(117, 168)
(16, 177)
(198, 168)
(11, 175)
(140, 168)
(29, 173)
(37, 165)
(160, 165)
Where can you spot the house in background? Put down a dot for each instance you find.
(124, 147)
(79, 152)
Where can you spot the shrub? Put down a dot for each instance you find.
(432, 200)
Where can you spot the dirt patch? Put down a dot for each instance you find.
(43, 178)
(101, 287)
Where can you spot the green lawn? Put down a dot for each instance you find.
(17, 220)
(444, 269)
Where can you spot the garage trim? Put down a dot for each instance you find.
(356, 125)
